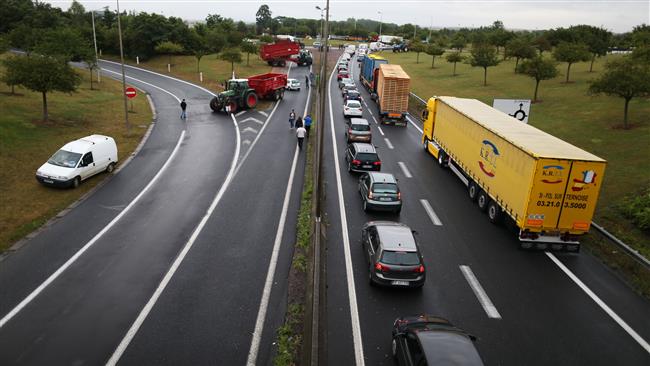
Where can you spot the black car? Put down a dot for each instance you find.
(352, 95)
(430, 340)
(380, 192)
(393, 255)
(362, 157)
(346, 88)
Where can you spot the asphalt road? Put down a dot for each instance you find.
(540, 315)
(177, 245)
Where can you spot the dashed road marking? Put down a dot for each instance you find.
(405, 170)
(432, 214)
(390, 146)
(483, 298)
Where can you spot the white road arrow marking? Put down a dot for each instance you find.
(246, 142)
(251, 119)
(263, 113)
(249, 129)
(240, 113)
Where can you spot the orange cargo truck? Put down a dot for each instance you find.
(393, 86)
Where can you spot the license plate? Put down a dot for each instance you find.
(400, 283)
(384, 198)
(366, 166)
(48, 181)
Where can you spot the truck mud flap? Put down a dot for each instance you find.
(552, 246)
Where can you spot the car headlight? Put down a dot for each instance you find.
(61, 177)
(38, 173)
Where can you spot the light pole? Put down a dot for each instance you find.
(126, 110)
(99, 78)
(380, 19)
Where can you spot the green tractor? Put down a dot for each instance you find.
(304, 58)
(238, 95)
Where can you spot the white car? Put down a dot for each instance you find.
(79, 160)
(352, 108)
(345, 81)
(293, 84)
(317, 44)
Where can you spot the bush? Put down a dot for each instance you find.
(637, 209)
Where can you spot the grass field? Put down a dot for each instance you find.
(26, 142)
(592, 123)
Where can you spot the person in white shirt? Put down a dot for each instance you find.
(300, 134)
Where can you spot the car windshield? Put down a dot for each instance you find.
(357, 127)
(400, 258)
(65, 159)
(384, 188)
(353, 94)
(354, 104)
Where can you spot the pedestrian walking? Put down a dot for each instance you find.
(292, 117)
(308, 123)
(183, 107)
(299, 122)
(306, 81)
(300, 134)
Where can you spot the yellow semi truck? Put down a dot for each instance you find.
(547, 186)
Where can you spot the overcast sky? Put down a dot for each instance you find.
(614, 15)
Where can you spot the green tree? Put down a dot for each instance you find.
(539, 69)
(434, 50)
(626, 78)
(484, 55)
(199, 46)
(64, 43)
(418, 48)
(11, 78)
(169, 48)
(542, 44)
(455, 57)
(263, 18)
(231, 55)
(596, 39)
(42, 74)
(520, 48)
(249, 47)
(458, 41)
(571, 53)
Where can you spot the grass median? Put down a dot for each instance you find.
(26, 143)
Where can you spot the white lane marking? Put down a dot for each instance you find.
(390, 146)
(379, 128)
(266, 294)
(432, 214)
(92, 241)
(414, 125)
(352, 294)
(146, 83)
(263, 113)
(162, 75)
(130, 334)
(240, 113)
(405, 170)
(601, 303)
(483, 298)
(251, 119)
(249, 129)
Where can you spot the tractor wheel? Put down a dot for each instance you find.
(251, 100)
(281, 93)
(283, 63)
(232, 106)
(215, 104)
(276, 95)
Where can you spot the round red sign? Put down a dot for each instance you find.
(130, 92)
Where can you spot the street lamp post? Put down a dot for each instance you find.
(126, 110)
(380, 21)
(99, 78)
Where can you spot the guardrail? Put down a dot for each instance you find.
(415, 111)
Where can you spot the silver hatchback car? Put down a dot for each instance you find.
(358, 131)
(380, 192)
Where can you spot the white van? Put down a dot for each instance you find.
(79, 160)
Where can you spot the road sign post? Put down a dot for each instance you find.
(131, 93)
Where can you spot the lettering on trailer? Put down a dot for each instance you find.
(489, 154)
(552, 174)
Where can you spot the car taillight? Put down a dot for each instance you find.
(399, 195)
(420, 269)
(377, 163)
(381, 267)
(356, 162)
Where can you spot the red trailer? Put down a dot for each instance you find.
(268, 86)
(278, 53)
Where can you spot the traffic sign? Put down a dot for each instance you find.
(517, 108)
(130, 92)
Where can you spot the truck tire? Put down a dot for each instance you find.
(271, 63)
(483, 200)
(472, 190)
(283, 63)
(215, 105)
(110, 168)
(443, 159)
(251, 100)
(76, 182)
(281, 93)
(276, 95)
(425, 144)
(494, 212)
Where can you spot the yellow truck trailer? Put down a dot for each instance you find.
(546, 185)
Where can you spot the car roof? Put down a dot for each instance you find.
(352, 100)
(363, 147)
(352, 91)
(292, 79)
(359, 121)
(83, 144)
(378, 177)
(396, 237)
(448, 347)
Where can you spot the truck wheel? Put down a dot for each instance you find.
(483, 200)
(271, 63)
(283, 63)
(76, 182)
(251, 100)
(443, 159)
(276, 95)
(110, 168)
(494, 212)
(425, 144)
(215, 105)
(281, 93)
(472, 190)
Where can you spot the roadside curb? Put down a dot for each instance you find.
(22, 242)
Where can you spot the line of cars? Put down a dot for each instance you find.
(392, 252)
